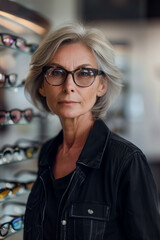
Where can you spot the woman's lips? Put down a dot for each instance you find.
(67, 102)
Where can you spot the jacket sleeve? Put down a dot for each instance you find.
(137, 200)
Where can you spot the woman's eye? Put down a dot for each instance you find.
(56, 72)
(85, 73)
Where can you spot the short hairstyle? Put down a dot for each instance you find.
(96, 41)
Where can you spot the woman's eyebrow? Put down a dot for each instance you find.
(79, 66)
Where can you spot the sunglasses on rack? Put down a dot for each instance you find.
(10, 40)
(14, 187)
(16, 224)
(10, 79)
(29, 147)
(10, 153)
(16, 115)
(9, 191)
(14, 153)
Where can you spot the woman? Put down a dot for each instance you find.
(91, 184)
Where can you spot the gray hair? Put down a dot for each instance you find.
(95, 40)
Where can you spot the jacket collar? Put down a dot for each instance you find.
(92, 153)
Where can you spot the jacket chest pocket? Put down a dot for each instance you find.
(88, 221)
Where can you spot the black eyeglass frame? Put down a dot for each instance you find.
(7, 78)
(10, 223)
(96, 72)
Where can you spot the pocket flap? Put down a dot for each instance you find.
(90, 210)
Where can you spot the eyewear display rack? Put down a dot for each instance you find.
(21, 127)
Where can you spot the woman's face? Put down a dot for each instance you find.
(70, 100)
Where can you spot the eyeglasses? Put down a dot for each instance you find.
(11, 153)
(9, 191)
(8, 40)
(82, 77)
(15, 115)
(16, 224)
(28, 146)
(11, 79)
(13, 187)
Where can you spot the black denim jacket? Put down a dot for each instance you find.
(111, 195)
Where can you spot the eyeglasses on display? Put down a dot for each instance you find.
(9, 191)
(29, 147)
(16, 224)
(10, 79)
(82, 77)
(10, 153)
(10, 40)
(14, 187)
(15, 115)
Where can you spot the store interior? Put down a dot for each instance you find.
(134, 31)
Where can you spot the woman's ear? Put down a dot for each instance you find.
(102, 89)
(42, 91)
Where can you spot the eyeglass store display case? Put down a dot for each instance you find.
(21, 125)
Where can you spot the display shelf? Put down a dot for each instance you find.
(11, 123)
(34, 121)
(14, 88)
(16, 49)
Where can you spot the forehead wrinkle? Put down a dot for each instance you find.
(73, 56)
(85, 65)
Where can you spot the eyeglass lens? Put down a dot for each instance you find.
(15, 116)
(4, 228)
(17, 223)
(28, 115)
(4, 192)
(3, 117)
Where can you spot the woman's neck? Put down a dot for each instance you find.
(75, 132)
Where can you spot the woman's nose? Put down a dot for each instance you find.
(69, 85)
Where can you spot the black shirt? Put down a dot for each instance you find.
(55, 191)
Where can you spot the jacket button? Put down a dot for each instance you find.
(90, 211)
(64, 222)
